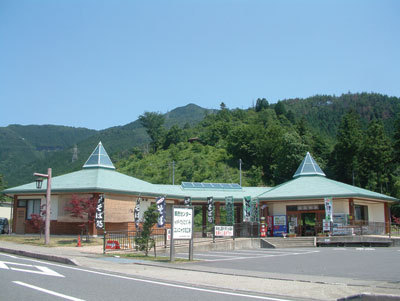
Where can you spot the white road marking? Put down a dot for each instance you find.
(163, 283)
(8, 255)
(339, 249)
(47, 291)
(42, 270)
(265, 256)
(210, 255)
(365, 249)
(251, 253)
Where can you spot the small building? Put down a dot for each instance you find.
(298, 204)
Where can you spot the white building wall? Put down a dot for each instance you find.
(278, 209)
(376, 213)
(341, 206)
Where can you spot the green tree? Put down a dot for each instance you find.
(280, 108)
(261, 104)
(376, 155)
(174, 135)
(153, 123)
(144, 242)
(345, 158)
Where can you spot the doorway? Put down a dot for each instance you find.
(20, 224)
(308, 220)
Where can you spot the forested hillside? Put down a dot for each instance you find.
(355, 138)
(28, 149)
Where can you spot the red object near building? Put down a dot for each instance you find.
(112, 245)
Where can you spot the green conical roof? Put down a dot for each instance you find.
(308, 167)
(99, 158)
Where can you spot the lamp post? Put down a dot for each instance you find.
(39, 182)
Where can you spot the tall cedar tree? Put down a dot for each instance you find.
(376, 154)
(345, 156)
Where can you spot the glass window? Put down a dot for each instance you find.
(33, 207)
(21, 203)
(361, 212)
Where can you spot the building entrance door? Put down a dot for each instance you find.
(20, 224)
(308, 221)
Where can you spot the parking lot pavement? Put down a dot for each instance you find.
(365, 266)
(217, 256)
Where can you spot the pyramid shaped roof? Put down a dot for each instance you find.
(308, 167)
(99, 159)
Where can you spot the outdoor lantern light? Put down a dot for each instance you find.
(39, 182)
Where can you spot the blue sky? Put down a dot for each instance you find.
(98, 64)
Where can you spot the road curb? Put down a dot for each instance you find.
(47, 257)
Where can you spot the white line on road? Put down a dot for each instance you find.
(164, 283)
(261, 256)
(42, 270)
(47, 291)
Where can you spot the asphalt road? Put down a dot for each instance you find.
(374, 264)
(29, 279)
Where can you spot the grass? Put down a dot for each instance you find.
(55, 241)
(148, 257)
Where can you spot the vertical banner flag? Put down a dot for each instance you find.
(230, 214)
(99, 217)
(246, 208)
(210, 210)
(136, 213)
(328, 209)
(187, 201)
(161, 207)
(254, 209)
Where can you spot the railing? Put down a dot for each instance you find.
(362, 228)
(125, 240)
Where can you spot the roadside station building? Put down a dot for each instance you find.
(300, 201)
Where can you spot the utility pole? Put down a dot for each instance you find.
(173, 172)
(240, 172)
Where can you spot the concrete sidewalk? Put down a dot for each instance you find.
(305, 287)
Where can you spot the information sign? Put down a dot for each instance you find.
(182, 223)
(99, 217)
(223, 231)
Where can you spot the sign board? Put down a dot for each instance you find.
(223, 231)
(230, 210)
(182, 228)
(168, 234)
(161, 207)
(182, 223)
(328, 209)
(99, 217)
(326, 225)
(136, 213)
(246, 209)
(210, 210)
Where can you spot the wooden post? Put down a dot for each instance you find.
(217, 213)
(14, 217)
(204, 220)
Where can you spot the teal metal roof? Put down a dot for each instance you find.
(99, 175)
(99, 159)
(310, 182)
(308, 167)
(317, 187)
(87, 180)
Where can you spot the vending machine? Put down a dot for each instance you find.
(270, 226)
(280, 226)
